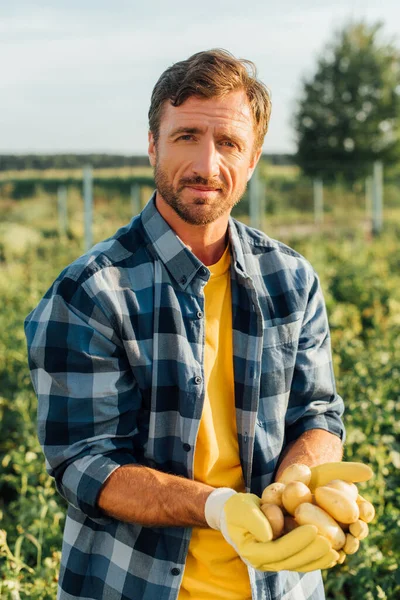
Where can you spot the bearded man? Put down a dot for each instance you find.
(181, 365)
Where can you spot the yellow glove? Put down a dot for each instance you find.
(352, 472)
(244, 526)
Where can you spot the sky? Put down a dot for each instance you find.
(77, 75)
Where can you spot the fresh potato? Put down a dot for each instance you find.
(296, 472)
(273, 494)
(367, 511)
(294, 494)
(350, 489)
(308, 514)
(352, 544)
(275, 518)
(337, 504)
(359, 529)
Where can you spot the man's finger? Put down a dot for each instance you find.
(326, 562)
(353, 472)
(317, 550)
(259, 553)
(243, 511)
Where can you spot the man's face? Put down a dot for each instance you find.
(204, 156)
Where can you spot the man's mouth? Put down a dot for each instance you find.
(202, 188)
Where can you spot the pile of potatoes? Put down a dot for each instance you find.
(336, 509)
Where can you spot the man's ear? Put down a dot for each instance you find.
(152, 149)
(253, 164)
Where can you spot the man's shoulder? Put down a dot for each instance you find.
(103, 266)
(126, 247)
(256, 243)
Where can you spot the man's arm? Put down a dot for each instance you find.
(138, 494)
(313, 426)
(88, 399)
(313, 447)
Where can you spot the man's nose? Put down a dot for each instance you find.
(206, 160)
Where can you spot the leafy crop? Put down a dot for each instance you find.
(361, 281)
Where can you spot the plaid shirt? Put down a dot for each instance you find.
(116, 351)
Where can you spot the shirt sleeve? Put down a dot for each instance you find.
(313, 401)
(88, 399)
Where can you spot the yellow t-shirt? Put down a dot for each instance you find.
(213, 569)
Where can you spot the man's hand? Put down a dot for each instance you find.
(247, 530)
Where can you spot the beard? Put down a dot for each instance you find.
(200, 211)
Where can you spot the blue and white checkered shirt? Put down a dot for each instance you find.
(116, 351)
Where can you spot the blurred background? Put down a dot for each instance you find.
(75, 86)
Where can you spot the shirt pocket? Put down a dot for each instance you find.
(283, 333)
(280, 343)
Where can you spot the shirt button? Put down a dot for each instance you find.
(199, 314)
(186, 447)
(175, 571)
(203, 271)
(197, 380)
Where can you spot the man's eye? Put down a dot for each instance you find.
(229, 144)
(187, 136)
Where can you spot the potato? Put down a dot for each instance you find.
(275, 518)
(359, 529)
(294, 494)
(273, 494)
(296, 472)
(308, 514)
(350, 489)
(352, 544)
(367, 511)
(337, 504)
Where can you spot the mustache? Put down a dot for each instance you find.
(211, 183)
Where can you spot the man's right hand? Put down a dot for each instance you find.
(244, 526)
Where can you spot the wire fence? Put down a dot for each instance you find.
(279, 199)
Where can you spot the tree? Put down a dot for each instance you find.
(349, 112)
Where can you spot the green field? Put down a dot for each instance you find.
(361, 280)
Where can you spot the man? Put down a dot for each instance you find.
(181, 365)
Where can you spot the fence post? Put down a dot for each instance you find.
(263, 203)
(135, 198)
(254, 200)
(88, 206)
(377, 198)
(318, 189)
(62, 199)
(368, 197)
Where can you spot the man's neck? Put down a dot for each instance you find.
(207, 242)
(209, 253)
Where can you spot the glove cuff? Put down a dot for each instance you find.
(214, 506)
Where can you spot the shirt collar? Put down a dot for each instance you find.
(181, 263)
(236, 247)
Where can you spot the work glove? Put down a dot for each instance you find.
(244, 526)
(352, 472)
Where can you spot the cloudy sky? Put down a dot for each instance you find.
(77, 75)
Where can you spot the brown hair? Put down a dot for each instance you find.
(210, 74)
